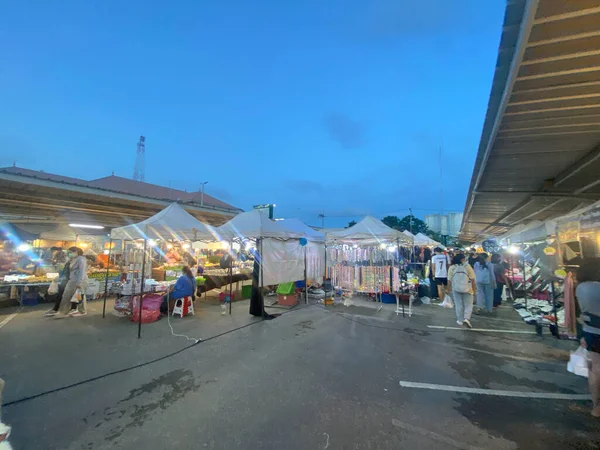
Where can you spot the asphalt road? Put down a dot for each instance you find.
(325, 379)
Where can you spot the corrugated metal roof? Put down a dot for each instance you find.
(539, 155)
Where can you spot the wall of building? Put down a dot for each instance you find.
(445, 224)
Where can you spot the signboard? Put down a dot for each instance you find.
(266, 209)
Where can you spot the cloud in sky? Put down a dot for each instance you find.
(349, 133)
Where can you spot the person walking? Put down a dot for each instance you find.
(461, 282)
(588, 297)
(486, 283)
(439, 268)
(77, 280)
(63, 279)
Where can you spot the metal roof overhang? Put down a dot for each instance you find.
(25, 199)
(539, 155)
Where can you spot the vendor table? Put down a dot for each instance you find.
(22, 287)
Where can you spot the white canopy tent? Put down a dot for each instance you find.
(369, 231)
(172, 223)
(256, 225)
(422, 239)
(409, 234)
(283, 258)
(296, 225)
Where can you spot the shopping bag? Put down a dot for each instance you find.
(53, 288)
(77, 296)
(578, 362)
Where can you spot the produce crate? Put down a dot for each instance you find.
(30, 299)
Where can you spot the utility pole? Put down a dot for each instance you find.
(138, 170)
(322, 216)
(410, 220)
(202, 196)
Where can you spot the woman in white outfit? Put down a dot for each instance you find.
(461, 282)
(77, 280)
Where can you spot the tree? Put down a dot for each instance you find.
(351, 223)
(410, 223)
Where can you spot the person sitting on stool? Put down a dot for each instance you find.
(184, 287)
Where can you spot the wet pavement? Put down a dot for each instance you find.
(314, 378)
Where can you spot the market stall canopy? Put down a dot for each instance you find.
(255, 225)
(409, 234)
(421, 239)
(172, 223)
(301, 227)
(369, 231)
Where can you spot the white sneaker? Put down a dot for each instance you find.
(468, 323)
(459, 322)
(74, 313)
(50, 313)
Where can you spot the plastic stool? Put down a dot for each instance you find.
(183, 306)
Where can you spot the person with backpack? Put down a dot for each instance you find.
(461, 282)
(486, 283)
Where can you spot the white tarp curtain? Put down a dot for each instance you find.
(315, 261)
(172, 223)
(283, 261)
(421, 239)
(369, 231)
(532, 232)
(255, 225)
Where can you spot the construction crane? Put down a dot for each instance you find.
(138, 170)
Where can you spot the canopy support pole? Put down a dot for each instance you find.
(106, 279)
(305, 275)
(142, 290)
(230, 278)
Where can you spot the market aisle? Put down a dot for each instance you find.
(316, 379)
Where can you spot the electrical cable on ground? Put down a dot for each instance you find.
(127, 369)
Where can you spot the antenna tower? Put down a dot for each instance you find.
(138, 170)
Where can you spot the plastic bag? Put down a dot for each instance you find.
(77, 296)
(147, 315)
(426, 300)
(578, 362)
(53, 288)
(447, 303)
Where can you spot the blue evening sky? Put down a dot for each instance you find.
(334, 106)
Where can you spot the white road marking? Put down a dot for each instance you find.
(500, 355)
(434, 436)
(439, 327)
(8, 319)
(499, 393)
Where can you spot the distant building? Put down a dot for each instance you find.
(445, 224)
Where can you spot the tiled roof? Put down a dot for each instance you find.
(125, 186)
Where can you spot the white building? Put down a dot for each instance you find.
(445, 224)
